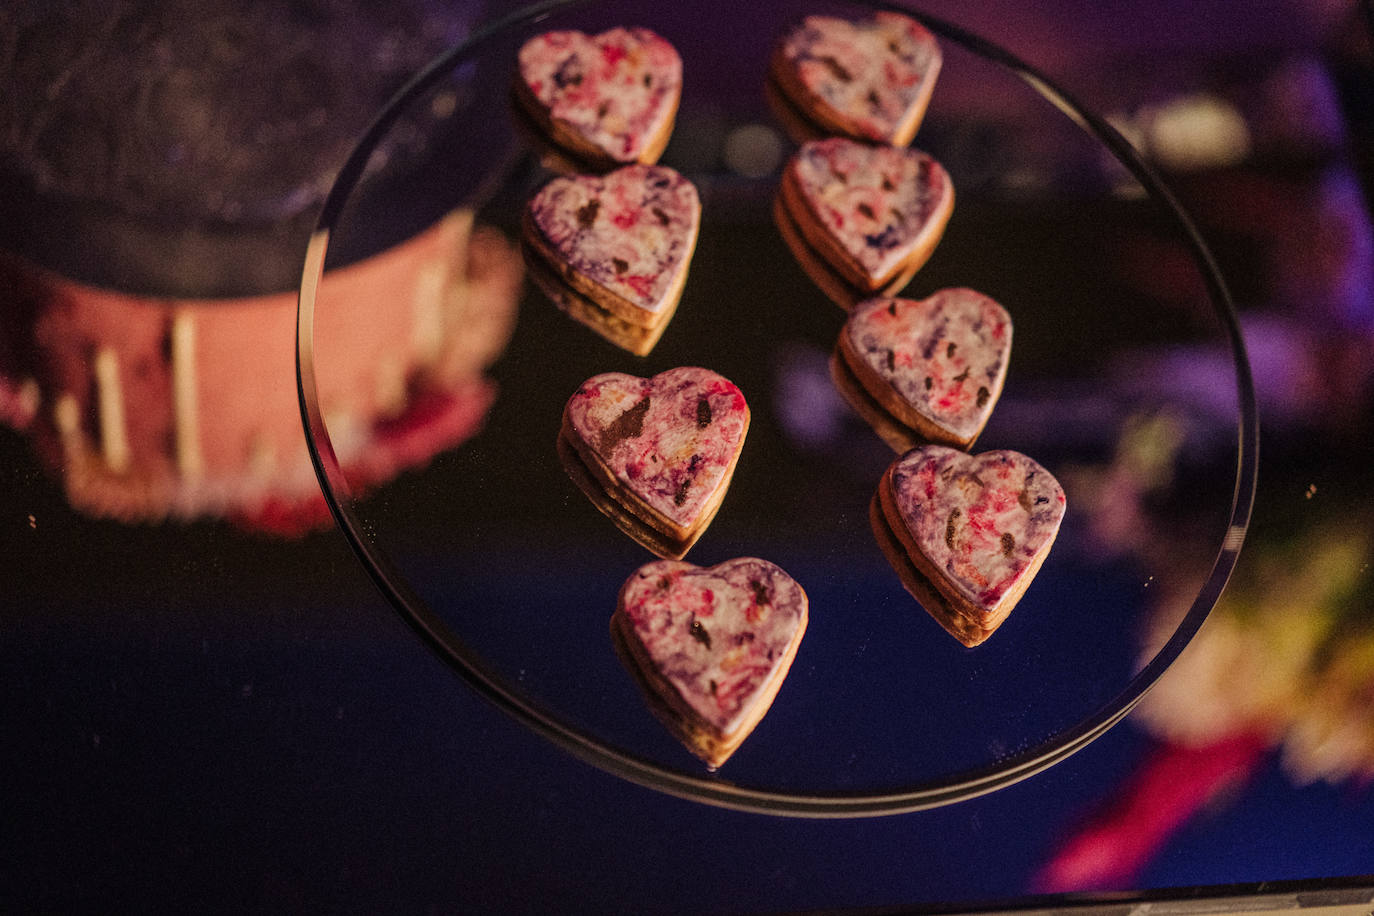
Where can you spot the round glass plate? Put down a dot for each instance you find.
(502, 565)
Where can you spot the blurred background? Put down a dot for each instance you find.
(210, 705)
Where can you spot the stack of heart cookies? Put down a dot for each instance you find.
(862, 219)
(869, 79)
(610, 243)
(862, 213)
(966, 534)
(612, 251)
(601, 101)
(610, 248)
(655, 455)
(924, 371)
(709, 647)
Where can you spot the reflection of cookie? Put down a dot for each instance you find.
(794, 121)
(898, 435)
(710, 647)
(655, 455)
(608, 99)
(870, 80)
(933, 368)
(619, 244)
(873, 214)
(967, 534)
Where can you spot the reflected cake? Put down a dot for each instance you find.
(149, 408)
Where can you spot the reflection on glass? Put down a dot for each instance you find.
(148, 408)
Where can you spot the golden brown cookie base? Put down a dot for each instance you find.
(899, 437)
(552, 157)
(920, 587)
(634, 338)
(818, 270)
(794, 121)
(619, 508)
(874, 400)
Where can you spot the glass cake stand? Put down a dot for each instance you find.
(1135, 393)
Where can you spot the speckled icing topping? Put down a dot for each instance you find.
(631, 231)
(946, 356)
(876, 201)
(671, 439)
(981, 519)
(871, 72)
(617, 90)
(717, 635)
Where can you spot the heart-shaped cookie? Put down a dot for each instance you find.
(609, 99)
(710, 646)
(967, 533)
(873, 213)
(656, 454)
(934, 366)
(613, 250)
(871, 79)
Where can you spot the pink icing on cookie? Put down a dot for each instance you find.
(671, 439)
(618, 90)
(717, 635)
(982, 520)
(945, 356)
(873, 73)
(880, 203)
(631, 232)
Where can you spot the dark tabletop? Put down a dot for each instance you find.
(199, 715)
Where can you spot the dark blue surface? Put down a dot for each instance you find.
(184, 743)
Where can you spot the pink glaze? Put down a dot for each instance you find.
(873, 73)
(671, 439)
(717, 635)
(879, 203)
(945, 356)
(632, 231)
(617, 90)
(979, 519)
